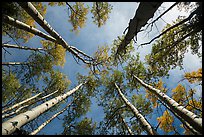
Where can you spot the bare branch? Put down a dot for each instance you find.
(144, 12)
(73, 9)
(181, 22)
(32, 11)
(162, 14)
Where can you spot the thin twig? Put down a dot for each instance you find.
(181, 22)
(162, 14)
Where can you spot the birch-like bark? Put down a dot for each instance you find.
(194, 120)
(126, 125)
(49, 120)
(144, 123)
(21, 47)
(14, 63)
(183, 121)
(20, 103)
(25, 106)
(144, 12)
(25, 27)
(33, 12)
(9, 126)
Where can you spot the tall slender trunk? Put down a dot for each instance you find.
(9, 126)
(25, 106)
(144, 123)
(188, 116)
(183, 121)
(33, 12)
(20, 103)
(144, 12)
(49, 120)
(21, 47)
(14, 63)
(25, 27)
(126, 125)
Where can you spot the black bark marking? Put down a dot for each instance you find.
(6, 131)
(15, 123)
(196, 117)
(53, 103)
(27, 116)
(47, 104)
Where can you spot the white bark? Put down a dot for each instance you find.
(21, 47)
(12, 124)
(20, 103)
(25, 106)
(49, 120)
(183, 121)
(188, 116)
(144, 123)
(14, 63)
(25, 27)
(144, 12)
(126, 125)
(32, 11)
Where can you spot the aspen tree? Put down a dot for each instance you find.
(9, 126)
(27, 105)
(126, 125)
(188, 116)
(21, 47)
(144, 12)
(33, 12)
(25, 27)
(49, 120)
(20, 103)
(144, 123)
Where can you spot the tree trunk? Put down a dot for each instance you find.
(25, 27)
(49, 120)
(32, 11)
(20, 103)
(16, 122)
(21, 47)
(144, 123)
(144, 12)
(187, 115)
(126, 125)
(14, 63)
(25, 106)
(183, 121)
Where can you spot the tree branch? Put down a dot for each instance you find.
(181, 22)
(162, 14)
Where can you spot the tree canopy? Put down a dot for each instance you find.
(110, 83)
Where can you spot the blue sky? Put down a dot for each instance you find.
(90, 37)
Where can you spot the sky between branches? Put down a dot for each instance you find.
(90, 37)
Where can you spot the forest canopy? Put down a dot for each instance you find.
(101, 68)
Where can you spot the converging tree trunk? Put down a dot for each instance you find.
(49, 120)
(14, 63)
(20, 25)
(21, 47)
(20, 103)
(32, 11)
(27, 105)
(144, 123)
(188, 116)
(186, 124)
(144, 12)
(9, 126)
(126, 125)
